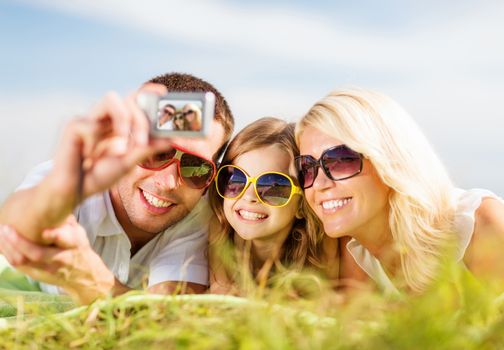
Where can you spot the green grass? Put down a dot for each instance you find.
(457, 313)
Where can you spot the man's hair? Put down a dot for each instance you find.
(170, 106)
(188, 82)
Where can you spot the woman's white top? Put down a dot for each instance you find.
(467, 204)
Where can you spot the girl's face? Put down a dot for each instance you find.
(345, 207)
(179, 122)
(251, 219)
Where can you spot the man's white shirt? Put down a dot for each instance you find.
(176, 254)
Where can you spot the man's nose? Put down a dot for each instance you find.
(167, 179)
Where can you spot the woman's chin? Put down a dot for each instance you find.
(335, 232)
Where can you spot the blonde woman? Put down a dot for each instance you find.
(259, 207)
(374, 181)
(192, 115)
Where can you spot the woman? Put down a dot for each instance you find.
(369, 174)
(192, 114)
(260, 211)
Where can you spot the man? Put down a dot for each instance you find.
(166, 117)
(151, 222)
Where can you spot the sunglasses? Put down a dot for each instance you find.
(272, 188)
(338, 163)
(194, 170)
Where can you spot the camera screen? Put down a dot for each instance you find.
(181, 115)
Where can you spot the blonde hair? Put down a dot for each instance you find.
(302, 244)
(421, 207)
(196, 123)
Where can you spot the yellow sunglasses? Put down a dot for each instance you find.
(272, 188)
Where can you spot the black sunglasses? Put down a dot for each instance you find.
(338, 163)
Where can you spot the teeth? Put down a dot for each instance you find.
(248, 215)
(338, 203)
(154, 201)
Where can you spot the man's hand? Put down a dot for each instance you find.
(100, 148)
(94, 153)
(70, 263)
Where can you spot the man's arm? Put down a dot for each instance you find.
(95, 151)
(70, 263)
(73, 265)
(34, 209)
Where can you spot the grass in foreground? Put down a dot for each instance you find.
(456, 313)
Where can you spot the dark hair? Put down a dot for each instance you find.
(188, 82)
(169, 105)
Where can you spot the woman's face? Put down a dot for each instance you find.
(345, 207)
(251, 219)
(189, 113)
(189, 116)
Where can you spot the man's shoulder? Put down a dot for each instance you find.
(96, 214)
(195, 222)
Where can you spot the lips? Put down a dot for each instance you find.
(335, 204)
(250, 215)
(155, 204)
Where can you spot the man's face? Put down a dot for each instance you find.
(168, 114)
(150, 201)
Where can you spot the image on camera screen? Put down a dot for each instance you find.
(179, 115)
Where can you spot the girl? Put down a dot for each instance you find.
(259, 207)
(180, 122)
(369, 173)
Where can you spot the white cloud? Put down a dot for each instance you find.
(446, 71)
(306, 37)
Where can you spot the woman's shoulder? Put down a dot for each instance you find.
(484, 252)
(473, 206)
(489, 218)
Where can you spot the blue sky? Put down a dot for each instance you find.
(441, 61)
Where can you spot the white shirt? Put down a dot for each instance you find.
(176, 254)
(467, 204)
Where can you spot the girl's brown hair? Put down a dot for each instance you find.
(302, 245)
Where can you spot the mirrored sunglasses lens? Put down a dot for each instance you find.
(195, 171)
(231, 182)
(274, 189)
(159, 159)
(307, 171)
(342, 162)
